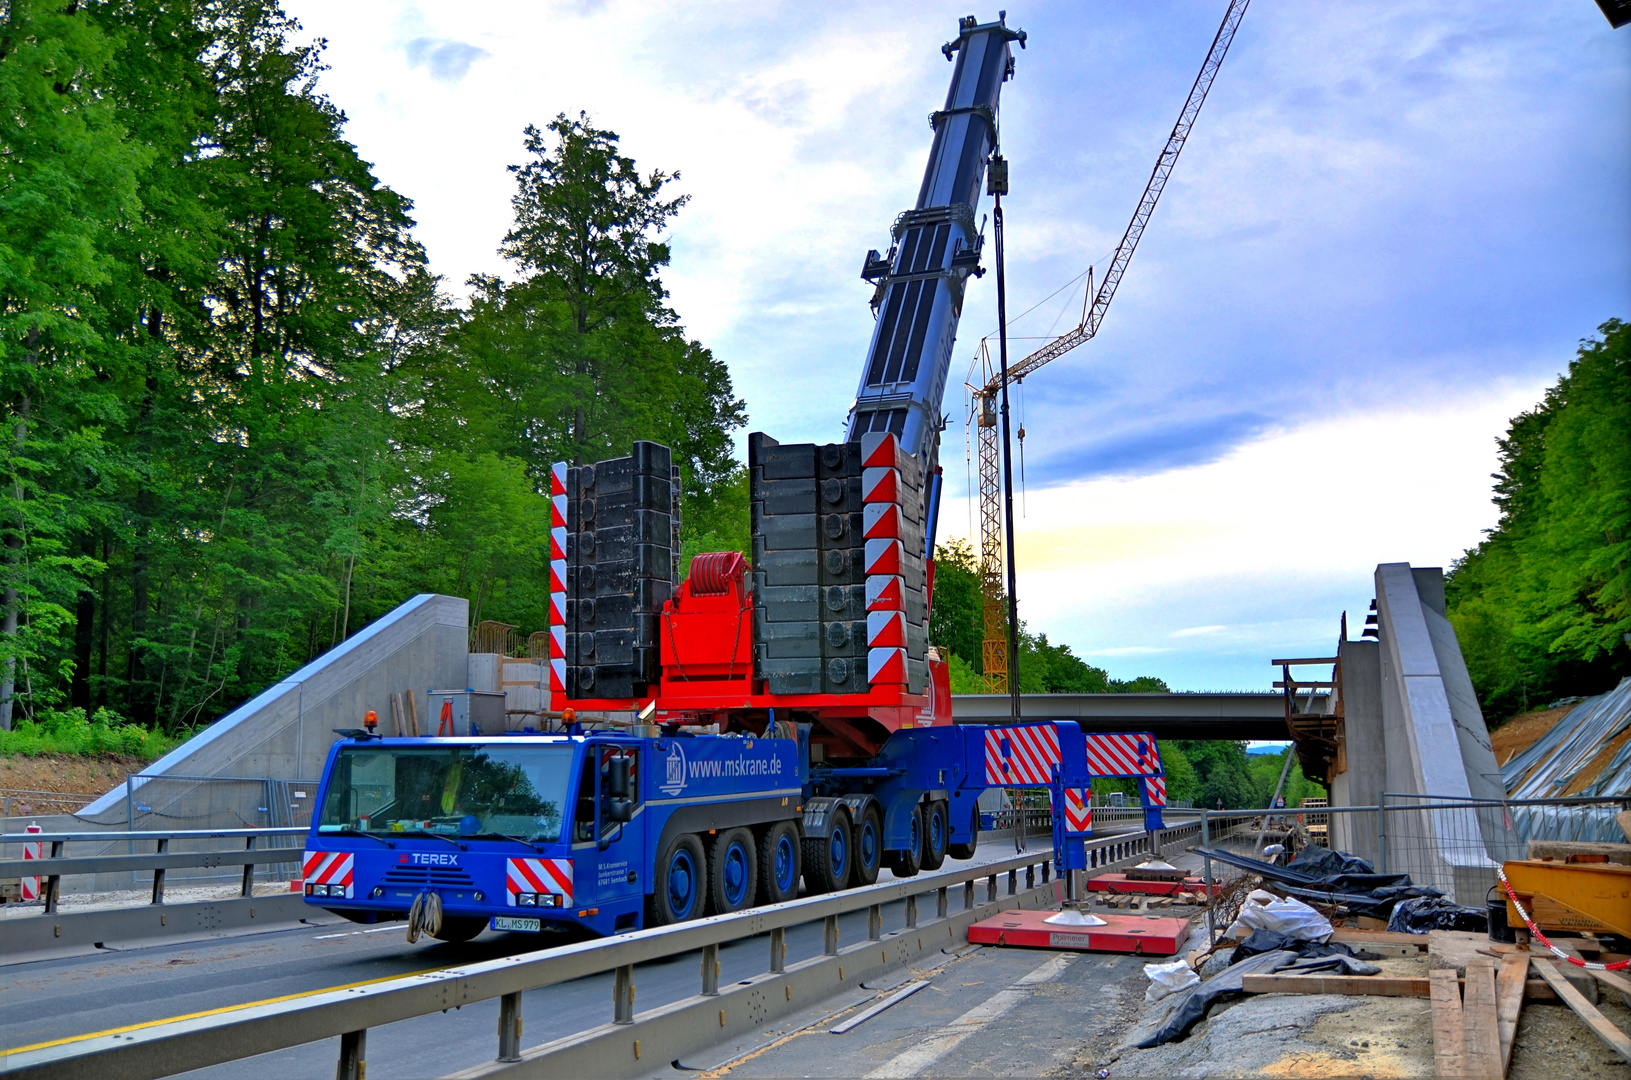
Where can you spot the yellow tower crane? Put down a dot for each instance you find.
(995, 661)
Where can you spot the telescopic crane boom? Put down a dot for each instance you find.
(995, 651)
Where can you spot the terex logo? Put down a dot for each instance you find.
(436, 858)
(674, 778)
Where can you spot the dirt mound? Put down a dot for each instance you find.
(1520, 733)
(68, 774)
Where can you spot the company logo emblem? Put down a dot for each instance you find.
(674, 779)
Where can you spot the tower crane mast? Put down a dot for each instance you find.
(996, 663)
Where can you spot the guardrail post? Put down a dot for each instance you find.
(53, 882)
(1013, 882)
(1030, 877)
(623, 995)
(1046, 865)
(829, 936)
(874, 922)
(778, 950)
(911, 913)
(941, 906)
(353, 1048)
(968, 894)
(509, 1027)
(249, 869)
(991, 889)
(158, 873)
(710, 971)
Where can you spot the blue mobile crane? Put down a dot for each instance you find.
(794, 721)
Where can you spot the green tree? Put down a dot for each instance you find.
(1542, 606)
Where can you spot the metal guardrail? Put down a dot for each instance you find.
(193, 1043)
(55, 866)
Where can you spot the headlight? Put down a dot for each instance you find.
(480, 897)
(549, 900)
(379, 891)
(527, 899)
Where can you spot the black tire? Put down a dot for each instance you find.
(907, 863)
(456, 928)
(966, 851)
(936, 835)
(827, 858)
(779, 863)
(868, 847)
(733, 871)
(679, 886)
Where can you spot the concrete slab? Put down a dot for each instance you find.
(1141, 935)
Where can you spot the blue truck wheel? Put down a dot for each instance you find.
(677, 892)
(936, 834)
(868, 846)
(733, 872)
(966, 851)
(827, 858)
(908, 863)
(779, 863)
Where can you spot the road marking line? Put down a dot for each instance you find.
(914, 1061)
(211, 1012)
(354, 933)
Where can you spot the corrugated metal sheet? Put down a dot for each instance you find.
(1547, 768)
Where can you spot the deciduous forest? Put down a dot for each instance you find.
(242, 417)
(1542, 607)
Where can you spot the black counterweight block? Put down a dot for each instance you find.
(839, 495)
(799, 566)
(843, 639)
(785, 496)
(784, 639)
(601, 509)
(781, 532)
(842, 566)
(790, 675)
(620, 575)
(618, 541)
(786, 603)
(838, 459)
(795, 461)
(845, 603)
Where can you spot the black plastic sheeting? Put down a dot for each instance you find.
(1331, 877)
(1435, 913)
(1306, 958)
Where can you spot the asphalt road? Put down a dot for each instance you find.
(58, 999)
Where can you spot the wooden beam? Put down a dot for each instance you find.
(1613, 1036)
(1563, 849)
(1481, 1040)
(1509, 1001)
(1378, 937)
(1366, 985)
(1612, 980)
(1449, 1026)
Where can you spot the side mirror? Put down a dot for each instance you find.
(618, 780)
(620, 811)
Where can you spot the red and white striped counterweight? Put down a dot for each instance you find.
(543, 877)
(557, 578)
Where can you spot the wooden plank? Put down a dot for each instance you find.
(1481, 1040)
(1367, 985)
(1449, 1028)
(1624, 818)
(1388, 937)
(1613, 980)
(1509, 987)
(1562, 849)
(1613, 1036)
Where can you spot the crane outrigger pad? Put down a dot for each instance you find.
(1141, 935)
(1122, 883)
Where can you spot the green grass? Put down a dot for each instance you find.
(70, 731)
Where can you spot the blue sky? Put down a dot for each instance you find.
(1390, 228)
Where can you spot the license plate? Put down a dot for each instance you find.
(506, 922)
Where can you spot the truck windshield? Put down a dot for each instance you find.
(467, 791)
